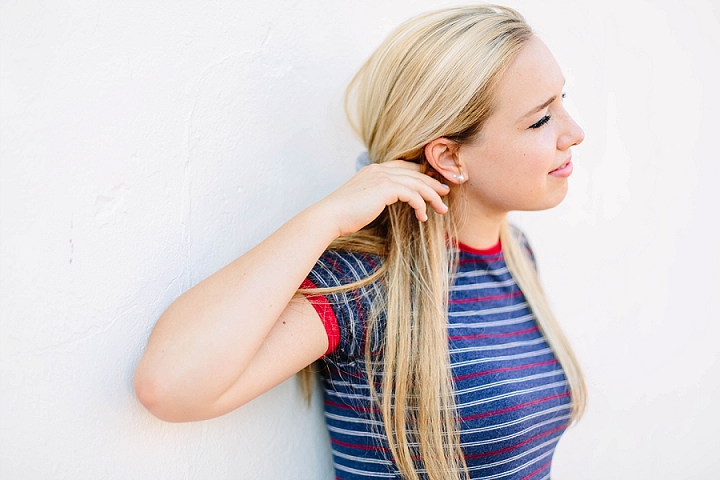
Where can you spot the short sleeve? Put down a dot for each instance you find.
(345, 314)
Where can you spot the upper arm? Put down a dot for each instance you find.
(297, 339)
(300, 336)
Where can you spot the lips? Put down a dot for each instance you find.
(563, 170)
(564, 165)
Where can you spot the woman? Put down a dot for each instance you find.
(440, 358)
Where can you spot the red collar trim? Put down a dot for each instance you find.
(485, 251)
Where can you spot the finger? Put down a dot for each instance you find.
(439, 206)
(417, 203)
(430, 192)
(436, 185)
(410, 186)
(431, 197)
(402, 164)
(394, 165)
(411, 168)
(415, 191)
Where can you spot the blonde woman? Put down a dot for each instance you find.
(438, 355)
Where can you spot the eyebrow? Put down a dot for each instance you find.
(540, 107)
(545, 104)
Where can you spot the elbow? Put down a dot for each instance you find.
(158, 399)
(147, 392)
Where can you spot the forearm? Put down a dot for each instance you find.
(207, 337)
(201, 346)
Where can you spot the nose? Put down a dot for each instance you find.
(572, 135)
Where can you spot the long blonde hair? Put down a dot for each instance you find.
(435, 76)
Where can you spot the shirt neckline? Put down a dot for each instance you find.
(494, 250)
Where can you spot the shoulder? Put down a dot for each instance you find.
(336, 268)
(524, 242)
(343, 299)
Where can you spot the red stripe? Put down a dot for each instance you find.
(487, 298)
(374, 448)
(468, 418)
(493, 259)
(333, 263)
(369, 259)
(357, 446)
(349, 407)
(517, 445)
(504, 369)
(543, 467)
(515, 407)
(326, 314)
(494, 335)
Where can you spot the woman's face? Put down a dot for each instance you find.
(520, 160)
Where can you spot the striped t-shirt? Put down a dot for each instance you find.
(511, 393)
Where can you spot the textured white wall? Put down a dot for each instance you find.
(631, 258)
(144, 146)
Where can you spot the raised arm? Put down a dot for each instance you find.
(241, 331)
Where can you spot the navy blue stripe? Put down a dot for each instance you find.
(511, 392)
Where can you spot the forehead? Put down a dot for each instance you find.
(532, 78)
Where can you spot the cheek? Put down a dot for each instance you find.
(537, 159)
(513, 174)
(523, 167)
(504, 175)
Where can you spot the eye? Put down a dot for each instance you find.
(541, 122)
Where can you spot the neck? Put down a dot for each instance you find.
(480, 229)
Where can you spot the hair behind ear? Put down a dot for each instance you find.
(434, 77)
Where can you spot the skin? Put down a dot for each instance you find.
(507, 165)
(242, 331)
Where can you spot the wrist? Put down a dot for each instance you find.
(318, 219)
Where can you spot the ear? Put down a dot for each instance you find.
(442, 155)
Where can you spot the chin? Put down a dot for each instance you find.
(551, 200)
(557, 199)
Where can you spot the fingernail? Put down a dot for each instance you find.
(446, 186)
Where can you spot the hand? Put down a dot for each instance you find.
(359, 201)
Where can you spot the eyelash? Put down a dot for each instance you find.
(541, 122)
(544, 119)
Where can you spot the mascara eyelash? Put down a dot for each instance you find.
(541, 122)
(546, 118)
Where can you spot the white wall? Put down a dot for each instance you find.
(143, 146)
